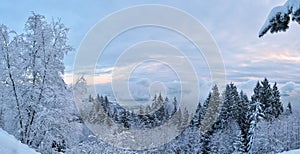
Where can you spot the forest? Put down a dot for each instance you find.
(37, 106)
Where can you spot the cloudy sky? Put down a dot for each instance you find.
(233, 24)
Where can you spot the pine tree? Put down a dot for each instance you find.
(205, 104)
(226, 140)
(289, 108)
(266, 99)
(206, 139)
(226, 112)
(212, 110)
(211, 115)
(155, 103)
(257, 93)
(197, 117)
(185, 119)
(254, 115)
(269, 98)
(236, 106)
(106, 105)
(276, 104)
(160, 99)
(167, 108)
(125, 119)
(230, 109)
(175, 104)
(178, 119)
(243, 107)
(91, 99)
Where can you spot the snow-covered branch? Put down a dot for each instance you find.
(279, 17)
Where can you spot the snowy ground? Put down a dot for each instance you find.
(291, 152)
(10, 145)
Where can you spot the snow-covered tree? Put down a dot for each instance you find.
(266, 99)
(253, 115)
(277, 107)
(197, 116)
(38, 104)
(279, 17)
(212, 109)
(229, 110)
(12, 77)
(226, 110)
(289, 108)
(257, 93)
(269, 98)
(226, 140)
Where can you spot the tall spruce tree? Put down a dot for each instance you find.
(276, 103)
(269, 99)
(243, 120)
(257, 92)
(197, 116)
(208, 127)
(266, 99)
(242, 108)
(229, 110)
(226, 112)
(253, 117)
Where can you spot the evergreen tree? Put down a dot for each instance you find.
(178, 119)
(257, 93)
(230, 109)
(226, 140)
(91, 99)
(205, 104)
(160, 99)
(156, 102)
(197, 117)
(213, 108)
(243, 107)
(175, 104)
(243, 120)
(125, 119)
(106, 105)
(276, 103)
(289, 108)
(185, 119)
(254, 115)
(226, 112)
(166, 99)
(269, 99)
(208, 127)
(236, 105)
(206, 140)
(266, 99)
(168, 110)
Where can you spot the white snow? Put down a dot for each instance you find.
(293, 5)
(10, 145)
(281, 10)
(291, 152)
(290, 7)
